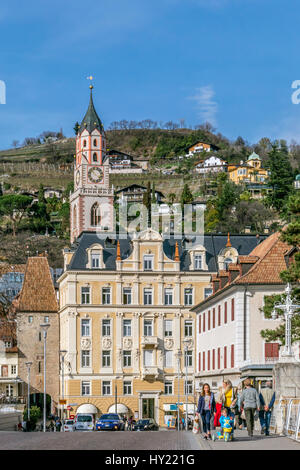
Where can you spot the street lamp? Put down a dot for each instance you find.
(179, 354)
(289, 308)
(186, 343)
(62, 353)
(28, 365)
(44, 327)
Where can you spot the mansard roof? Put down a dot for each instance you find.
(91, 120)
(213, 243)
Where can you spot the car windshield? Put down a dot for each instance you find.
(69, 421)
(109, 416)
(143, 421)
(84, 418)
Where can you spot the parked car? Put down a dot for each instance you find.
(110, 421)
(146, 425)
(84, 422)
(69, 425)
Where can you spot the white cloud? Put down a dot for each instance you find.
(206, 107)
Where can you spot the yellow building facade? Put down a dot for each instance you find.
(129, 331)
(249, 172)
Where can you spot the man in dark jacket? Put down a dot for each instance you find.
(267, 399)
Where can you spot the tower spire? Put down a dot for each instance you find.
(228, 244)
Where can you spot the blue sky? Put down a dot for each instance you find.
(231, 62)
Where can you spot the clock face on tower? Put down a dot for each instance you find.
(95, 174)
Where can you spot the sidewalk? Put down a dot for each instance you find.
(258, 442)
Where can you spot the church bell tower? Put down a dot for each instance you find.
(91, 204)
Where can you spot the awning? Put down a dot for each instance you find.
(191, 408)
(87, 408)
(120, 408)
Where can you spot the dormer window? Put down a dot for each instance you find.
(95, 258)
(227, 262)
(148, 263)
(198, 262)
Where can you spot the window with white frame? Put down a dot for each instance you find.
(148, 357)
(188, 358)
(106, 327)
(85, 388)
(9, 390)
(188, 328)
(106, 387)
(197, 261)
(127, 296)
(148, 328)
(30, 319)
(168, 387)
(106, 358)
(106, 295)
(127, 388)
(126, 358)
(168, 296)
(168, 324)
(168, 358)
(85, 358)
(7, 344)
(95, 260)
(13, 370)
(85, 327)
(46, 319)
(188, 296)
(207, 292)
(188, 387)
(126, 327)
(147, 296)
(148, 262)
(85, 295)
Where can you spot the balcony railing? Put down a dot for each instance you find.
(4, 400)
(151, 341)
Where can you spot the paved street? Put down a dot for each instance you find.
(156, 440)
(258, 442)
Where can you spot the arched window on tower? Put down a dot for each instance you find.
(95, 158)
(84, 143)
(95, 142)
(227, 262)
(95, 215)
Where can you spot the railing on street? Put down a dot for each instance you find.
(287, 412)
(12, 400)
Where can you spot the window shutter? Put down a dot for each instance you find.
(199, 323)
(219, 358)
(199, 366)
(203, 355)
(225, 312)
(208, 322)
(208, 360)
(213, 359)
(232, 356)
(214, 318)
(203, 322)
(225, 357)
(232, 309)
(219, 315)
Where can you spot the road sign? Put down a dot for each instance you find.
(62, 402)
(73, 404)
(72, 416)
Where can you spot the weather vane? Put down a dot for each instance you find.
(90, 78)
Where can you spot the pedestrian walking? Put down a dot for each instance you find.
(229, 397)
(206, 408)
(58, 425)
(24, 425)
(130, 423)
(240, 416)
(267, 399)
(219, 405)
(250, 403)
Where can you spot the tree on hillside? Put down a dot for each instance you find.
(290, 235)
(76, 127)
(15, 143)
(14, 207)
(186, 195)
(281, 176)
